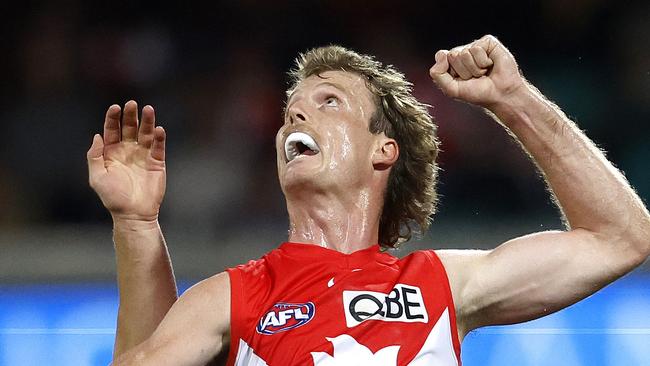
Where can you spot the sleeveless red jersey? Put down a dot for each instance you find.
(303, 304)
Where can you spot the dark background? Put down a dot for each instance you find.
(216, 74)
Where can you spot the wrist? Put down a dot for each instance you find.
(515, 99)
(515, 109)
(126, 223)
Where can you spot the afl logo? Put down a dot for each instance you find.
(285, 316)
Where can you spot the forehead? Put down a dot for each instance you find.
(348, 82)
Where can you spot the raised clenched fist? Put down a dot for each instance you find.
(483, 72)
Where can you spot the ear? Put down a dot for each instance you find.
(386, 153)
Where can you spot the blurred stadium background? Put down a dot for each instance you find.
(216, 75)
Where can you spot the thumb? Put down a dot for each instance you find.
(95, 156)
(440, 75)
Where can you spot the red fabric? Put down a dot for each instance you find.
(302, 273)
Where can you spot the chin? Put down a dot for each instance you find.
(301, 182)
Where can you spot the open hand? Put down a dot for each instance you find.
(483, 72)
(126, 167)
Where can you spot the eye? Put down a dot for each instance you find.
(332, 101)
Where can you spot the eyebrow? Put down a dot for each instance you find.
(335, 85)
(326, 83)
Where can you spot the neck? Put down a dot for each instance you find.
(343, 224)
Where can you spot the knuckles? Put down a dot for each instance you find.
(457, 50)
(489, 37)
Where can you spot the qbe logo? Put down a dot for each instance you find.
(285, 316)
(403, 303)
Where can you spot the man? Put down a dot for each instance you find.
(356, 162)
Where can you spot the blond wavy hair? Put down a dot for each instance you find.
(410, 198)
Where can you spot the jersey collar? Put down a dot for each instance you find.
(355, 259)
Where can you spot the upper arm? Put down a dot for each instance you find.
(530, 276)
(194, 330)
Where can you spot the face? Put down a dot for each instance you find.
(325, 142)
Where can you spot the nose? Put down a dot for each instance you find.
(296, 115)
(293, 118)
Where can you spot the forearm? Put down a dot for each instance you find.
(147, 288)
(590, 191)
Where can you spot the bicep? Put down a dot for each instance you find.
(193, 331)
(531, 276)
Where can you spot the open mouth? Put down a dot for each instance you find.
(299, 144)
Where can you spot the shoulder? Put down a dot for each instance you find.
(211, 299)
(253, 271)
(212, 292)
(255, 266)
(203, 311)
(449, 266)
(451, 259)
(456, 261)
(251, 282)
(214, 282)
(460, 264)
(250, 267)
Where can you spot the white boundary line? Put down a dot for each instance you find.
(514, 331)
(543, 331)
(62, 331)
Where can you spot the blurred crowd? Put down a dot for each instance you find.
(216, 75)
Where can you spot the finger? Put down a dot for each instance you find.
(158, 148)
(440, 74)
(112, 125)
(95, 157)
(441, 66)
(457, 64)
(470, 64)
(146, 130)
(480, 57)
(130, 121)
(495, 51)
